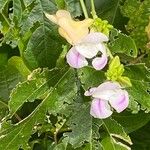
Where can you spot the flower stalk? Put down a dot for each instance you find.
(84, 9)
(93, 12)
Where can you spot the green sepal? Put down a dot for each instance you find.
(115, 72)
(100, 25)
(124, 81)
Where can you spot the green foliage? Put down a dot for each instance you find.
(42, 102)
(17, 135)
(139, 91)
(121, 43)
(132, 122)
(138, 13)
(115, 72)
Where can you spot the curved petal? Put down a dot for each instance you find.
(90, 91)
(100, 109)
(120, 102)
(109, 85)
(63, 13)
(95, 37)
(88, 50)
(99, 62)
(75, 60)
(107, 90)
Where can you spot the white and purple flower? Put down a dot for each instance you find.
(106, 96)
(88, 48)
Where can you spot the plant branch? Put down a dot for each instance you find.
(93, 12)
(84, 8)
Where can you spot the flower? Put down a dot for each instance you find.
(106, 96)
(72, 31)
(89, 47)
(85, 45)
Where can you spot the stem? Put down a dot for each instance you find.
(84, 9)
(137, 59)
(93, 12)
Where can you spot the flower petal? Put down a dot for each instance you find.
(100, 109)
(63, 13)
(76, 30)
(120, 101)
(90, 91)
(95, 38)
(87, 50)
(99, 62)
(109, 86)
(75, 60)
(107, 90)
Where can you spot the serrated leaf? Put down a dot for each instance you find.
(139, 91)
(18, 135)
(90, 77)
(35, 87)
(82, 122)
(138, 13)
(116, 136)
(121, 43)
(44, 47)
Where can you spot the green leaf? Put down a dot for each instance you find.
(141, 138)
(9, 77)
(90, 77)
(44, 47)
(138, 14)
(18, 63)
(109, 143)
(82, 122)
(109, 10)
(139, 92)
(121, 43)
(60, 4)
(115, 136)
(3, 109)
(132, 122)
(74, 7)
(17, 136)
(37, 39)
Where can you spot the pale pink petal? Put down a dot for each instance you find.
(100, 109)
(107, 90)
(109, 85)
(87, 50)
(99, 62)
(90, 91)
(75, 60)
(95, 37)
(120, 102)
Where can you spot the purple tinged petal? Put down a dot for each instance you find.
(109, 85)
(75, 60)
(99, 62)
(107, 90)
(95, 37)
(90, 91)
(100, 109)
(120, 102)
